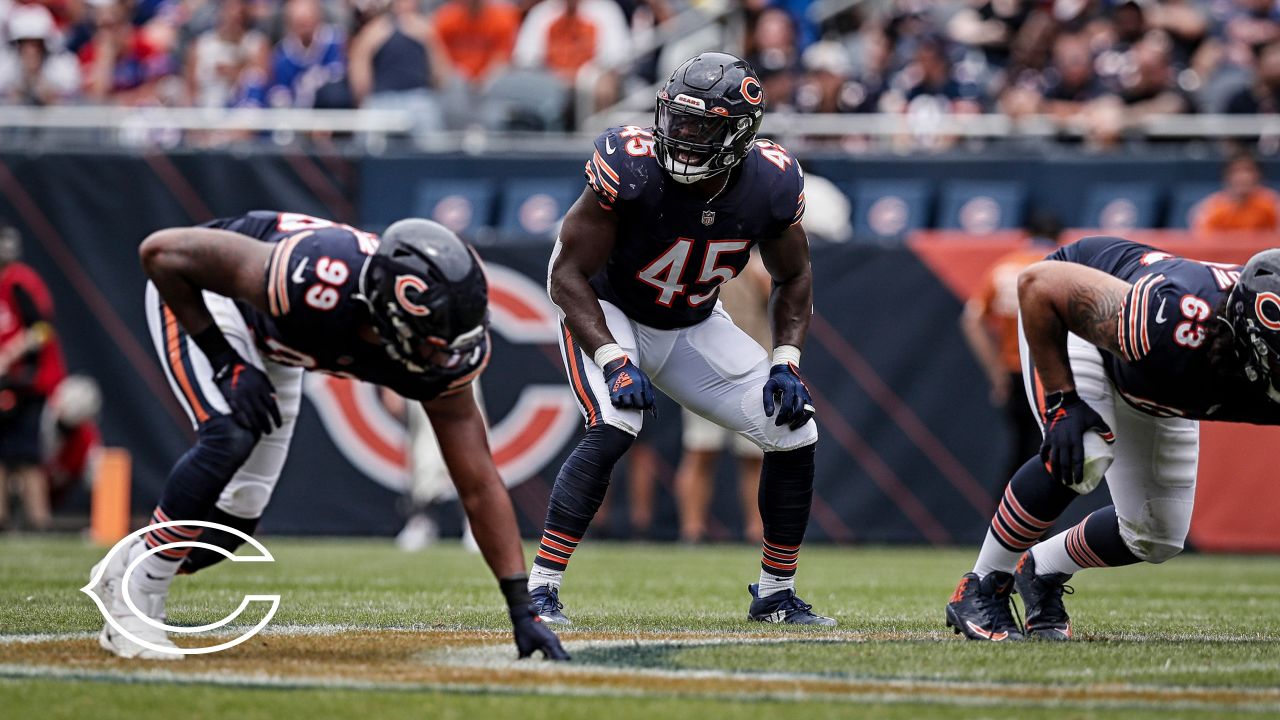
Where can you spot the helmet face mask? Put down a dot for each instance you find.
(707, 117)
(1253, 311)
(693, 145)
(439, 355)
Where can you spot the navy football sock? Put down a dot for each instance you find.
(578, 492)
(1095, 542)
(786, 494)
(1032, 502)
(200, 558)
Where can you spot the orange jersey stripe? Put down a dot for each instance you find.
(604, 185)
(280, 279)
(605, 167)
(273, 306)
(1145, 345)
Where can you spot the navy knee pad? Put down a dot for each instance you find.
(199, 476)
(786, 494)
(581, 484)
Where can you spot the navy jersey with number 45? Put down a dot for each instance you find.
(1165, 330)
(315, 319)
(674, 249)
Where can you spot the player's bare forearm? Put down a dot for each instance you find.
(586, 239)
(575, 297)
(1058, 298)
(464, 443)
(183, 262)
(791, 302)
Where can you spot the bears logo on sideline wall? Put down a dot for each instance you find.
(543, 419)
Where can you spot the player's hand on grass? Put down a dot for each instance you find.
(1066, 419)
(786, 394)
(533, 635)
(629, 387)
(249, 393)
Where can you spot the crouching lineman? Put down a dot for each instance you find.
(1125, 348)
(238, 309)
(669, 213)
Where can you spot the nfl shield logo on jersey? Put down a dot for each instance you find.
(708, 217)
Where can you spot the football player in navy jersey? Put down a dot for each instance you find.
(1125, 349)
(238, 309)
(669, 213)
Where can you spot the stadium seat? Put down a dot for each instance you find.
(981, 207)
(1120, 206)
(1183, 201)
(463, 206)
(522, 99)
(534, 206)
(888, 208)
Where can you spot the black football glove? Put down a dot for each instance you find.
(629, 387)
(248, 391)
(533, 635)
(1066, 419)
(786, 392)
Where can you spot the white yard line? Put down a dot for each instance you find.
(898, 692)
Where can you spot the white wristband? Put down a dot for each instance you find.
(607, 353)
(789, 354)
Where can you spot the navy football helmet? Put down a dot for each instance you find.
(707, 116)
(1253, 310)
(427, 295)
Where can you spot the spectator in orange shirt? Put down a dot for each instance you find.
(563, 36)
(478, 35)
(990, 323)
(1244, 204)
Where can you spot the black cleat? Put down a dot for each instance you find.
(784, 607)
(981, 608)
(546, 602)
(1047, 617)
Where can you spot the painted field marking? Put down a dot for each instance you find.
(464, 661)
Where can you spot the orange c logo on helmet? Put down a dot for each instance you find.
(752, 91)
(403, 284)
(1259, 306)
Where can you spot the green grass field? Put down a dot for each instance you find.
(364, 630)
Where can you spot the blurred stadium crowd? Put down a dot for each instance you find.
(1100, 63)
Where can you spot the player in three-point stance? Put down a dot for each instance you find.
(1126, 348)
(670, 213)
(238, 309)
